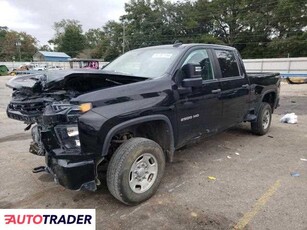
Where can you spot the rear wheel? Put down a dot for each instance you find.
(262, 125)
(135, 170)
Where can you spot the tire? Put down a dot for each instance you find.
(135, 170)
(262, 125)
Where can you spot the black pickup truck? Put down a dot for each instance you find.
(131, 116)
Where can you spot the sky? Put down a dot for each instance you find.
(36, 17)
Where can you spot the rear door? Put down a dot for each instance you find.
(235, 87)
(199, 111)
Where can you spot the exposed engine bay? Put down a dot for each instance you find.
(51, 95)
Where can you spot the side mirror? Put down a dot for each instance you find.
(192, 75)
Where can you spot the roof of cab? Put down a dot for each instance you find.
(188, 46)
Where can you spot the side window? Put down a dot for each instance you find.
(228, 63)
(200, 57)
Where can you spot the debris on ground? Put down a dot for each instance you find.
(289, 118)
(194, 214)
(238, 154)
(295, 174)
(270, 136)
(303, 159)
(218, 159)
(229, 157)
(211, 178)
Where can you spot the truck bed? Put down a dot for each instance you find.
(262, 74)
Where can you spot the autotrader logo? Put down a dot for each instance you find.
(47, 219)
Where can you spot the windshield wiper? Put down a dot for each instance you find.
(125, 73)
(116, 82)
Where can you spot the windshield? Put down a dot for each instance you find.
(151, 63)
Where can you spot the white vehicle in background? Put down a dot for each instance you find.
(55, 68)
(39, 67)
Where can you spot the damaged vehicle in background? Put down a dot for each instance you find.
(132, 115)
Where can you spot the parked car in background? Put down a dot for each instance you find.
(28, 68)
(24, 68)
(77, 63)
(55, 68)
(3, 70)
(40, 68)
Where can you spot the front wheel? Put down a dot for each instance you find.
(262, 125)
(135, 170)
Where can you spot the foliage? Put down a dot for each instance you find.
(45, 48)
(258, 29)
(294, 46)
(18, 46)
(160, 22)
(69, 37)
(93, 37)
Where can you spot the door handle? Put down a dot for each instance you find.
(216, 91)
(245, 86)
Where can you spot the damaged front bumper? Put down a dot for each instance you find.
(70, 167)
(65, 161)
(56, 136)
(74, 175)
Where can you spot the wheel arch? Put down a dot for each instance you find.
(167, 144)
(270, 97)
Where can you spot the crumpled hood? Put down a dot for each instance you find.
(45, 77)
(26, 81)
(70, 79)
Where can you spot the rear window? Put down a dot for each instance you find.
(228, 63)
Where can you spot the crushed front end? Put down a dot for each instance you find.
(55, 135)
(65, 128)
(53, 122)
(64, 159)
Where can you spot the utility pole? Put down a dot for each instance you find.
(18, 45)
(124, 31)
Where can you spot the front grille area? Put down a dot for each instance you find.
(20, 117)
(27, 108)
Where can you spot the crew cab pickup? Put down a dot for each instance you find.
(131, 116)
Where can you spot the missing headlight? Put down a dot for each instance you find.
(68, 136)
(72, 131)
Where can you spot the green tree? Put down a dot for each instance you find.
(16, 45)
(94, 37)
(95, 44)
(111, 46)
(154, 22)
(69, 37)
(294, 46)
(143, 23)
(3, 32)
(263, 28)
(45, 48)
(251, 26)
(289, 18)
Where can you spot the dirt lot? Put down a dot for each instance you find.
(252, 190)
